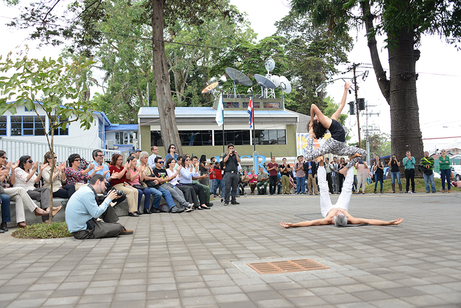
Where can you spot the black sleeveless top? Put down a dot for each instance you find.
(337, 131)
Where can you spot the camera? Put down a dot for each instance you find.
(118, 192)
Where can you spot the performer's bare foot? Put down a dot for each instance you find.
(320, 158)
(343, 171)
(355, 155)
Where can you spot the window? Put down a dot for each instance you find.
(124, 137)
(27, 126)
(271, 136)
(59, 131)
(237, 137)
(3, 125)
(194, 138)
(156, 139)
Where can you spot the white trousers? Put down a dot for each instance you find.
(21, 198)
(345, 196)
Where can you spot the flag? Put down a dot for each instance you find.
(250, 111)
(220, 112)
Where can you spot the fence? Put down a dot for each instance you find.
(15, 148)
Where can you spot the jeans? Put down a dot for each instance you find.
(272, 184)
(146, 193)
(427, 179)
(395, 175)
(445, 174)
(380, 179)
(157, 196)
(212, 186)
(300, 184)
(218, 183)
(6, 215)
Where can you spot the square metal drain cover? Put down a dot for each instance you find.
(286, 266)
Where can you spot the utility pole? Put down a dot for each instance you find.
(354, 66)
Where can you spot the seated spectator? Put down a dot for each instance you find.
(82, 212)
(26, 178)
(161, 176)
(157, 194)
(187, 176)
(245, 180)
(58, 178)
(134, 177)
(171, 154)
(175, 174)
(198, 178)
(119, 182)
(263, 179)
(18, 194)
(253, 179)
(76, 176)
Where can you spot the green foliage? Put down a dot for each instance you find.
(43, 231)
(380, 145)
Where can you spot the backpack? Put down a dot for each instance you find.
(306, 167)
(262, 190)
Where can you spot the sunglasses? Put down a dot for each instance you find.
(30, 161)
(4, 157)
(160, 162)
(100, 155)
(187, 159)
(173, 148)
(78, 159)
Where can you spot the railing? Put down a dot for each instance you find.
(16, 148)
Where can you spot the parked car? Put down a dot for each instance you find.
(456, 169)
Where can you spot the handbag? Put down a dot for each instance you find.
(137, 186)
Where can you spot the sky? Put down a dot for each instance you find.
(439, 71)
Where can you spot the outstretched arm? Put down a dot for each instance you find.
(376, 222)
(325, 121)
(307, 223)
(336, 115)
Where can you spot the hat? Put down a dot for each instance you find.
(138, 150)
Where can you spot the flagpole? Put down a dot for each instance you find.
(254, 122)
(223, 136)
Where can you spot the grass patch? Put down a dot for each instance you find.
(45, 230)
(419, 186)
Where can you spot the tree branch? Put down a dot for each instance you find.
(49, 11)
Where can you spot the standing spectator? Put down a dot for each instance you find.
(203, 168)
(171, 154)
(300, 175)
(362, 174)
(334, 167)
(409, 163)
(151, 160)
(210, 168)
(285, 173)
(378, 169)
(232, 178)
(395, 172)
(262, 180)
(119, 182)
(253, 180)
(445, 170)
(58, 178)
(342, 164)
(219, 183)
(311, 176)
(428, 163)
(272, 167)
(329, 177)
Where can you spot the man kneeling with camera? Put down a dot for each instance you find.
(82, 212)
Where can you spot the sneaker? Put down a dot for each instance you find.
(410, 192)
(126, 231)
(235, 202)
(226, 203)
(154, 210)
(176, 209)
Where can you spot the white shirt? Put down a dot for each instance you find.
(173, 181)
(151, 161)
(21, 177)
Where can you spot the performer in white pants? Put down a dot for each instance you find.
(337, 214)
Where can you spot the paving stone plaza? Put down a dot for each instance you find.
(199, 259)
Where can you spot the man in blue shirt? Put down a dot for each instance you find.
(82, 212)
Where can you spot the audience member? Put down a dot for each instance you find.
(58, 177)
(394, 163)
(300, 175)
(378, 169)
(285, 174)
(428, 164)
(231, 161)
(203, 170)
(445, 170)
(263, 178)
(119, 182)
(188, 191)
(253, 180)
(409, 163)
(134, 177)
(187, 175)
(272, 167)
(151, 160)
(362, 174)
(219, 180)
(311, 177)
(171, 153)
(148, 176)
(74, 175)
(196, 179)
(329, 177)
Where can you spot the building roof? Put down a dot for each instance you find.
(121, 127)
(206, 115)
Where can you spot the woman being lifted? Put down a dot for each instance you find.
(319, 124)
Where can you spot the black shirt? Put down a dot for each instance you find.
(231, 163)
(160, 173)
(287, 173)
(337, 131)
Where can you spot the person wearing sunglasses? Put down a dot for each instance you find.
(17, 194)
(76, 176)
(58, 178)
(171, 154)
(26, 178)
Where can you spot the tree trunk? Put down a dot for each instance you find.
(165, 103)
(405, 129)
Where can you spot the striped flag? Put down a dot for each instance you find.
(250, 111)
(219, 112)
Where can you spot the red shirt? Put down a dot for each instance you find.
(273, 172)
(217, 173)
(212, 176)
(114, 182)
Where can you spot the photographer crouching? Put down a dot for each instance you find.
(82, 212)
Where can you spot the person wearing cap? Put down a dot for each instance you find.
(337, 214)
(136, 153)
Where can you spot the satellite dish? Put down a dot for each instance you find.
(210, 87)
(285, 85)
(276, 80)
(270, 65)
(265, 82)
(239, 78)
